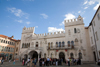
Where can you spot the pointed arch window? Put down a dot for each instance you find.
(72, 43)
(56, 44)
(59, 44)
(51, 44)
(63, 44)
(36, 44)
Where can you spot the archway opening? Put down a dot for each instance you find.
(62, 55)
(33, 54)
(71, 55)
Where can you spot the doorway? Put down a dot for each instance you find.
(62, 55)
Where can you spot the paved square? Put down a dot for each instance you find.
(19, 64)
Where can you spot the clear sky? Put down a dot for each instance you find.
(45, 15)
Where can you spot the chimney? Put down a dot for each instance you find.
(12, 37)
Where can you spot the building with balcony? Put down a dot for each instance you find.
(7, 47)
(71, 43)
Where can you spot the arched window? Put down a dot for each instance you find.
(4, 41)
(51, 44)
(36, 44)
(59, 44)
(63, 44)
(76, 41)
(1, 41)
(10, 43)
(56, 44)
(25, 45)
(72, 43)
(71, 55)
(68, 43)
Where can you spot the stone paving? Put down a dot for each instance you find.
(19, 64)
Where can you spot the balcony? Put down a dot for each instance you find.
(61, 48)
(35, 48)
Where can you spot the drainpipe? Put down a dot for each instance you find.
(95, 43)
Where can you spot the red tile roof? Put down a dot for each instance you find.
(3, 36)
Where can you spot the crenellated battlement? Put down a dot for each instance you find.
(28, 30)
(72, 22)
(52, 33)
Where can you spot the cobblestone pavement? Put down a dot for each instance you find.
(19, 64)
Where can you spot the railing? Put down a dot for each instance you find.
(35, 48)
(61, 47)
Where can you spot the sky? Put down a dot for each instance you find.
(45, 15)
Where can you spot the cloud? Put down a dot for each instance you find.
(85, 7)
(79, 11)
(20, 21)
(36, 26)
(28, 22)
(18, 12)
(85, 2)
(91, 2)
(67, 16)
(96, 7)
(54, 29)
(44, 16)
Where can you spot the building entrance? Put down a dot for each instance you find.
(33, 54)
(62, 55)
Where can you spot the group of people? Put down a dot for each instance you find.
(73, 61)
(30, 62)
(50, 61)
(1, 60)
(60, 61)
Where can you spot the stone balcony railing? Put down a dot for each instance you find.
(61, 48)
(35, 48)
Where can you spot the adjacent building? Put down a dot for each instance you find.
(7, 47)
(94, 35)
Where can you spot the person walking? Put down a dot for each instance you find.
(68, 62)
(48, 61)
(31, 62)
(34, 62)
(14, 62)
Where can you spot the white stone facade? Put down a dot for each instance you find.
(94, 34)
(71, 41)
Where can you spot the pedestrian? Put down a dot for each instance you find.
(34, 61)
(0, 60)
(14, 62)
(23, 62)
(68, 62)
(28, 64)
(31, 62)
(42, 62)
